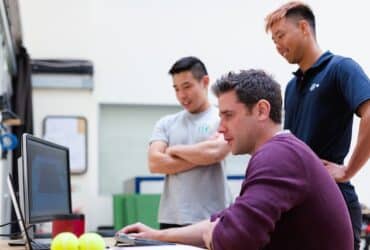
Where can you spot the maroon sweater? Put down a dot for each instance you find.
(287, 201)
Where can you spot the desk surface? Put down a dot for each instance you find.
(110, 242)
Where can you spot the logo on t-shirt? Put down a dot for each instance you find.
(204, 129)
(314, 86)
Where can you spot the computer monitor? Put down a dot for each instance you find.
(44, 180)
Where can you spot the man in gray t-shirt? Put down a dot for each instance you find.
(187, 148)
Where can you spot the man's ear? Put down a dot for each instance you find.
(304, 27)
(263, 109)
(205, 81)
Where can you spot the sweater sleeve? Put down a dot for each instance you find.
(276, 182)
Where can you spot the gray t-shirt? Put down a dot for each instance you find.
(194, 195)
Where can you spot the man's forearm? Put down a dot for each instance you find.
(190, 235)
(166, 164)
(361, 152)
(202, 153)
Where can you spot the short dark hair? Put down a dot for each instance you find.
(251, 86)
(303, 12)
(294, 10)
(190, 63)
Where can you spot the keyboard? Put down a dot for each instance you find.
(123, 239)
(40, 246)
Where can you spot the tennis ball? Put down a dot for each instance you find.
(91, 241)
(64, 241)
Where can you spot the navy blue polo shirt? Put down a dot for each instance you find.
(320, 103)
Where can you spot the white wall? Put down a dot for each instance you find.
(133, 43)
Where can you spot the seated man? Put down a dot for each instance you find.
(287, 200)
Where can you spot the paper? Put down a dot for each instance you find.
(69, 131)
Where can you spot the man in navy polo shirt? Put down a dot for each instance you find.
(321, 99)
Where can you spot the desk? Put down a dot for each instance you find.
(110, 242)
(4, 245)
(178, 247)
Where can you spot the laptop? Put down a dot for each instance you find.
(29, 243)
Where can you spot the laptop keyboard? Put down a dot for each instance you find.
(40, 246)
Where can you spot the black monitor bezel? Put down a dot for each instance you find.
(26, 182)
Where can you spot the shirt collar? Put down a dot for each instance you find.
(285, 131)
(322, 60)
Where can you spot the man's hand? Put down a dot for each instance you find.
(207, 236)
(217, 136)
(338, 172)
(140, 230)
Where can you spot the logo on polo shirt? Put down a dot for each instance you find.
(314, 86)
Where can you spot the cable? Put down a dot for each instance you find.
(9, 223)
(10, 235)
(15, 233)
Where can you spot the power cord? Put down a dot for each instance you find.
(9, 223)
(12, 234)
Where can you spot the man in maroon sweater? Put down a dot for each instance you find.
(287, 200)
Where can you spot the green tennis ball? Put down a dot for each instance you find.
(91, 241)
(64, 241)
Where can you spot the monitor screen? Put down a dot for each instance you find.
(46, 179)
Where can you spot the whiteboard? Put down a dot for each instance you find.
(71, 132)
